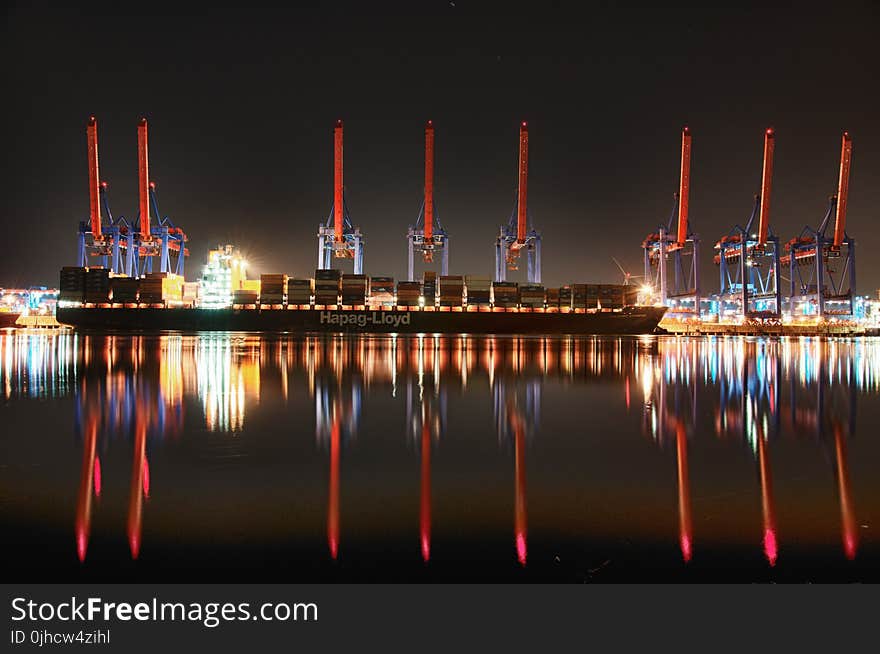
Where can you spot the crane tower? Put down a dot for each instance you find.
(337, 238)
(516, 235)
(427, 236)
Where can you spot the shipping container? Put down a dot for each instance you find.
(328, 274)
(150, 290)
(505, 294)
(381, 290)
(478, 292)
(300, 291)
(271, 286)
(478, 298)
(301, 284)
(565, 297)
(409, 293)
(240, 296)
(429, 292)
(97, 278)
(326, 295)
(272, 298)
(477, 283)
(354, 289)
(451, 289)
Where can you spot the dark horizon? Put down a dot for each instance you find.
(242, 106)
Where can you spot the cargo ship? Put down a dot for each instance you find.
(332, 302)
(629, 320)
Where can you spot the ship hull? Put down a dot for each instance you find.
(631, 320)
(7, 319)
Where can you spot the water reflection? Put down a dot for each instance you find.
(131, 392)
(426, 402)
(764, 388)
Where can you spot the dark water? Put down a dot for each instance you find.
(241, 457)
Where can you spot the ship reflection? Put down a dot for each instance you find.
(750, 392)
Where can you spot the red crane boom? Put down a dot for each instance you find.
(766, 178)
(684, 185)
(429, 182)
(94, 178)
(522, 192)
(337, 182)
(842, 189)
(144, 179)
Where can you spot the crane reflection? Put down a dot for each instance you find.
(337, 390)
(764, 388)
(126, 392)
(517, 419)
(426, 400)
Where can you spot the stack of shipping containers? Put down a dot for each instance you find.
(408, 294)
(299, 292)
(553, 299)
(97, 285)
(191, 293)
(566, 298)
(505, 294)
(328, 283)
(72, 284)
(451, 290)
(382, 291)
(610, 296)
(172, 286)
(273, 289)
(478, 290)
(124, 290)
(532, 296)
(151, 290)
(354, 290)
(579, 297)
(429, 288)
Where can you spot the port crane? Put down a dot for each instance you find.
(427, 236)
(337, 237)
(516, 235)
(109, 239)
(163, 240)
(627, 275)
(748, 259)
(823, 268)
(679, 247)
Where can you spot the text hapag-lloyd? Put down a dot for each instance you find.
(363, 319)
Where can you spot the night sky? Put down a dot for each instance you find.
(242, 101)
